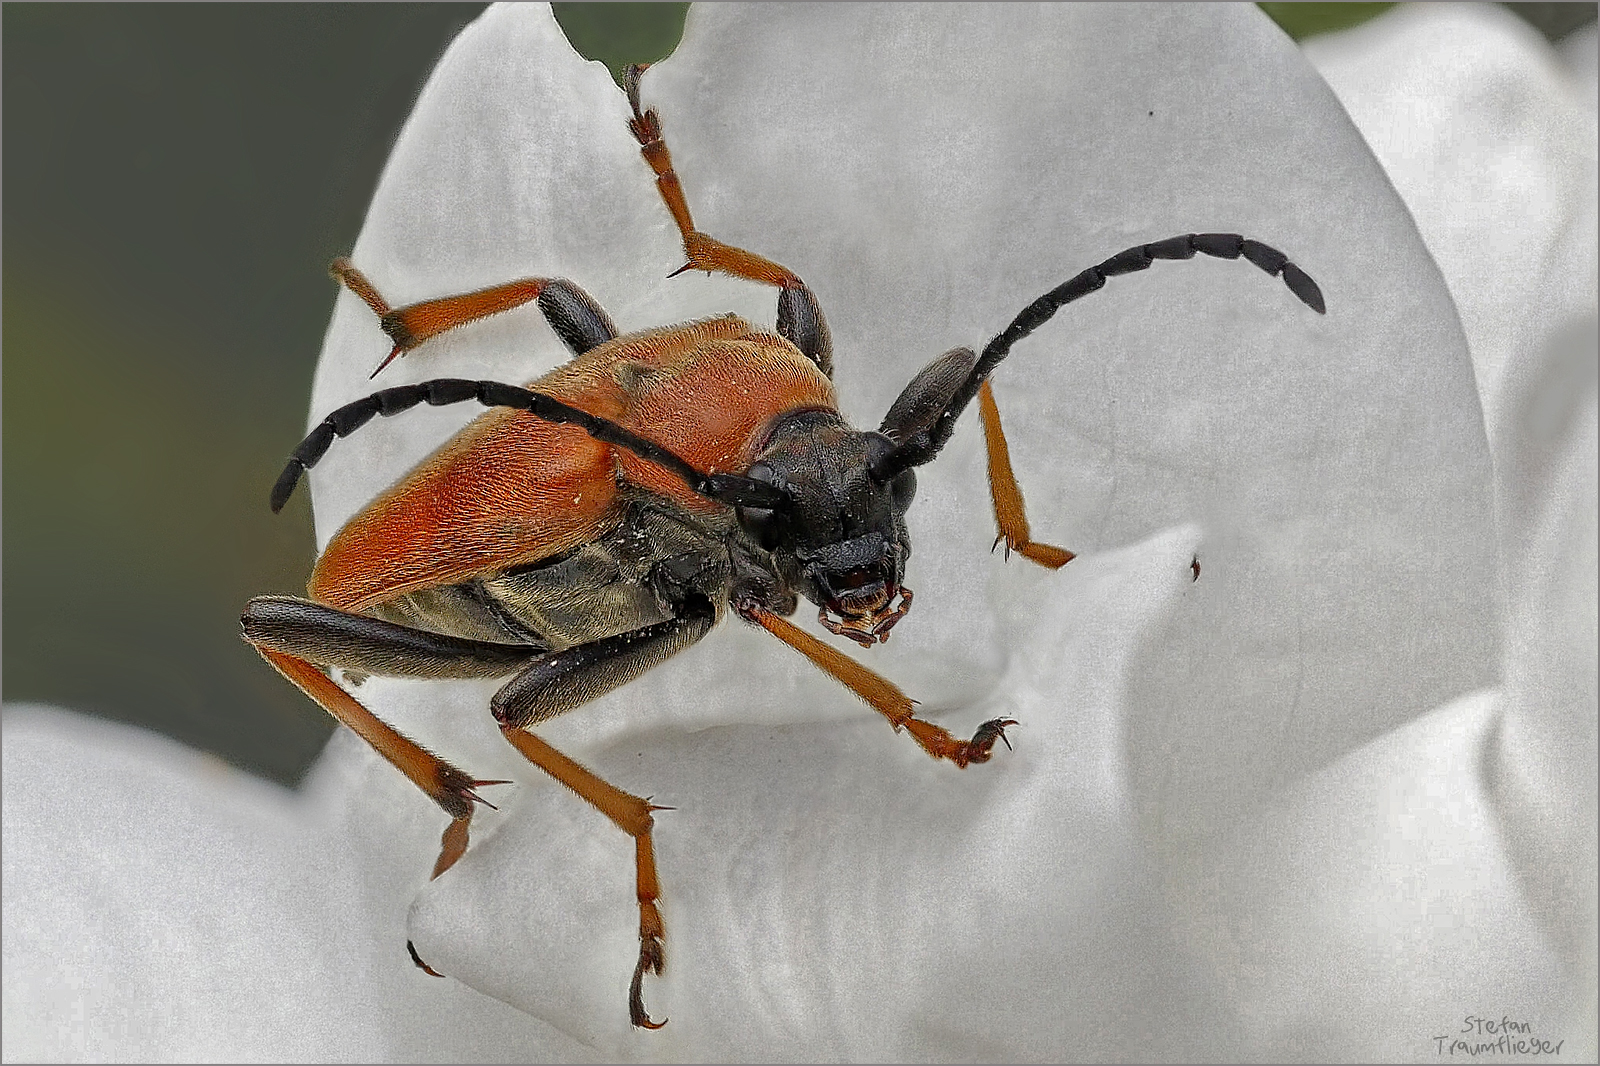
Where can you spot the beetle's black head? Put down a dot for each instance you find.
(841, 539)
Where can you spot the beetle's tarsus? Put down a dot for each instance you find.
(982, 742)
(630, 84)
(424, 967)
(937, 741)
(344, 271)
(652, 958)
(1047, 556)
(452, 844)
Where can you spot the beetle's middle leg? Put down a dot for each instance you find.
(800, 318)
(560, 681)
(1007, 495)
(578, 320)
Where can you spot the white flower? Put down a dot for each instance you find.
(1280, 811)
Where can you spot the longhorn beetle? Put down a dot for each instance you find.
(607, 517)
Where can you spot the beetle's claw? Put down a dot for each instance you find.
(630, 82)
(424, 967)
(652, 958)
(645, 125)
(982, 741)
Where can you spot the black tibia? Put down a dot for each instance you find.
(581, 323)
(330, 637)
(800, 322)
(731, 489)
(922, 447)
(559, 681)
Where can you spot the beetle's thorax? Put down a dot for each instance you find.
(841, 540)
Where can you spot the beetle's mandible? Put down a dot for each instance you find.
(711, 470)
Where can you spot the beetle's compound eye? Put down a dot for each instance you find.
(904, 488)
(759, 524)
(879, 449)
(757, 521)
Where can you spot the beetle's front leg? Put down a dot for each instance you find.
(881, 694)
(1009, 514)
(923, 404)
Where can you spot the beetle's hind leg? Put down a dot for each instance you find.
(300, 638)
(800, 318)
(448, 786)
(578, 320)
(556, 683)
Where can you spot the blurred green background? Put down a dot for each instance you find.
(176, 179)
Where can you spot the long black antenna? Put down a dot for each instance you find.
(731, 489)
(922, 447)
